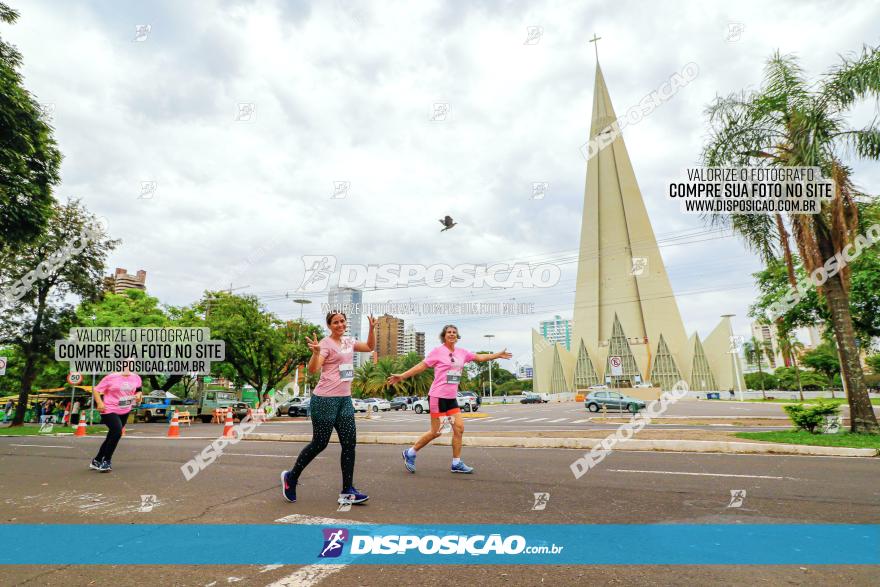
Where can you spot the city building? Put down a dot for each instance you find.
(626, 325)
(524, 372)
(121, 280)
(557, 330)
(413, 342)
(349, 301)
(389, 336)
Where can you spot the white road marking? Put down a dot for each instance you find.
(581, 421)
(246, 454)
(43, 445)
(557, 420)
(516, 420)
(309, 575)
(502, 418)
(535, 420)
(700, 474)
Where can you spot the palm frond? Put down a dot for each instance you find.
(854, 79)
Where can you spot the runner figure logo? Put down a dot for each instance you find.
(737, 496)
(47, 425)
(334, 540)
(541, 500)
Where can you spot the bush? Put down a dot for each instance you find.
(753, 381)
(810, 418)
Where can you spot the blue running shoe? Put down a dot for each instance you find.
(105, 467)
(288, 490)
(409, 462)
(461, 468)
(95, 465)
(352, 495)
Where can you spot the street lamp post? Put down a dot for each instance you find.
(734, 356)
(301, 303)
(490, 337)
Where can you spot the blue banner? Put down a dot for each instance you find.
(606, 544)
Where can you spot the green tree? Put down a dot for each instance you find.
(754, 353)
(261, 350)
(823, 359)
(43, 312)
(29, 158)
(791, 122)
(760, 381)
(789, 347)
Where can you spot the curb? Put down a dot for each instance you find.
(699, 446)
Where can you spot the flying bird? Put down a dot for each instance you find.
(448, 223)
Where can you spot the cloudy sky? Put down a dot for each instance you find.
(345, 91)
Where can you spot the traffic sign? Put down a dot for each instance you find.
(74, 378)
(616, 364)
(2, 365)
(207, 379)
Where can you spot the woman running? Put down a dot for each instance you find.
(121, 391)
(331, 406)
(447, 362)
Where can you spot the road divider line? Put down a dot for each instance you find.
(535, 420)
(42, 445)
(557, 420)
(702, 474)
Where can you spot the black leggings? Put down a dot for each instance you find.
(329, 413)
(114, 423)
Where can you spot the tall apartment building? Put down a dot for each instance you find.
(413, 342)
(349, 301)
(557, 330)
(766, 333)
(389, 336)
(121, 280)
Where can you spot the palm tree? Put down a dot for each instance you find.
(754, 355)
(363, 376)
(789, 347)
(789, 122)
(379, 380)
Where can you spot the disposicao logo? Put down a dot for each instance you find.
(334, 540)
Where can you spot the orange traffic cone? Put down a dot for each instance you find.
(228, 427)
(174, 427)
(81, 428)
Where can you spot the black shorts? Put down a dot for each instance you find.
(443, 406)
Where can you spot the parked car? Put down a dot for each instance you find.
(613, 400)
(359, 404)
(375, 404)
(597, 387)
(300, 407)
(240, 411)
(400, 403)
(643, 385)
(530, 397)
(466, 402)
(284, 407)
(476, 396)
(421, 405)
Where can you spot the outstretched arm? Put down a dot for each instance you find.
(490, 357)
(370, 344)
(397, 378)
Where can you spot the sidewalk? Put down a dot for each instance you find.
(654, 440)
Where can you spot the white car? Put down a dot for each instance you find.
(597, 387)
(359, 405)
(645, 385)
(375, 404)
(421, 405)
(467, 403)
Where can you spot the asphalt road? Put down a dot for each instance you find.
(46, 480)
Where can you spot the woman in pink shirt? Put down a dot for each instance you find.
(330, 406)
(120, 392)
(448, 363)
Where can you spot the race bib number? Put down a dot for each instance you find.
(453, 376)
(346, 372)
(125, 401)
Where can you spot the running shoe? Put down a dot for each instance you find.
(288, 490)
(95, 465)
(461, 468)
(409, 462)
(105, 467)
(352, 495)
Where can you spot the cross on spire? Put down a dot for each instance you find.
(595, 39)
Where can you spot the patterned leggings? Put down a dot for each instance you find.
(329, 413)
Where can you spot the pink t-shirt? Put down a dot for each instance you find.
(447, 366)
(119, 392)
(338, 369)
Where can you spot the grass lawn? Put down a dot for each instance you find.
(839, 400)
(34, 430)
(845, 439)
